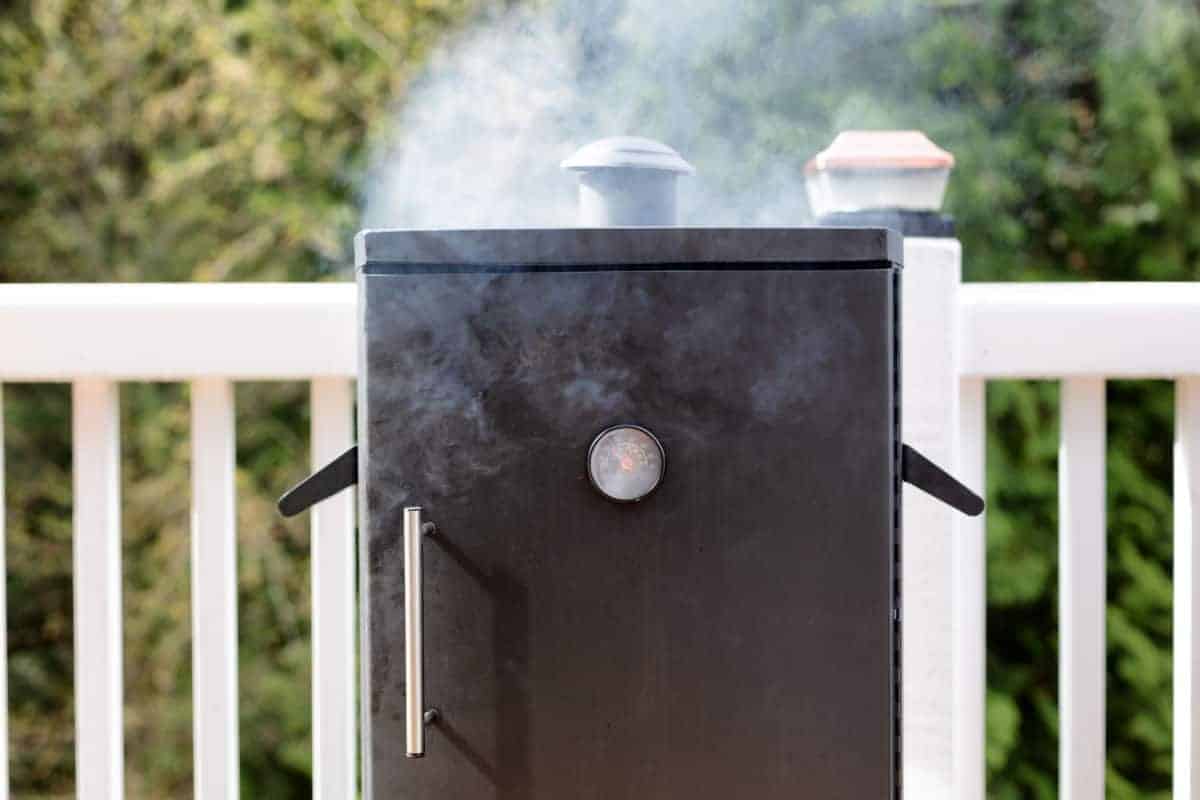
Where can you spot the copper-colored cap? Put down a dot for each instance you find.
(880, 150)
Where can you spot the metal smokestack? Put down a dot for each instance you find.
(627, 181)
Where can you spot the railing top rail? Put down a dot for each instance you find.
(1089, 294)
(180, 331)
(1057, 330)
(190, 294)
(267, 331)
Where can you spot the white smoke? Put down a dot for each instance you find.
(746, 90)
(482, 134)
(480, 137)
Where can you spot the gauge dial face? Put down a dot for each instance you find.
(626, 463)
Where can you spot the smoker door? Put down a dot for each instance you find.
(729, 636)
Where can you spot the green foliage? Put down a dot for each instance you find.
(163, 141)
(179, 140)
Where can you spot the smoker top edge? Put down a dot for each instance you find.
(831, 247)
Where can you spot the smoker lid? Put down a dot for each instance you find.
(628, 152)
(833, 248)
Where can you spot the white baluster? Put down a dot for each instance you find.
(3, 622)
(333, 638)
(1081, 593)
(99, 721)
(214, 592)
(1186, 785)
(970, 601)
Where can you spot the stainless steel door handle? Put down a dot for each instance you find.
(415, 713)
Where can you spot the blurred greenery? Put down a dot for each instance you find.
(183, 140)
(173, 141)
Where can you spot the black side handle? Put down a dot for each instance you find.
(915, 468)
(325, 482)
(935, 481)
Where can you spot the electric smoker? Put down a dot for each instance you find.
(630, 504)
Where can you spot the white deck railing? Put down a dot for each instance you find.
(955, 338)
(210, 335)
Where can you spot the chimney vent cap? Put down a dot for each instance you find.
(628, 152)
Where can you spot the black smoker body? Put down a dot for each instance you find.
(731, 635)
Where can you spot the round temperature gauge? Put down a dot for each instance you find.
(626, 463)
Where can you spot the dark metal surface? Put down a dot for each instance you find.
(833, 248)
(933, 224)
(731, 636)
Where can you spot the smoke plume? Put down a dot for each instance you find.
(744, 91)
(747, 91)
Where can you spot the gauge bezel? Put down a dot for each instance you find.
(662, 456)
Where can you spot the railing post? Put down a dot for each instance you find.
(930, 392)
(897, 179)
